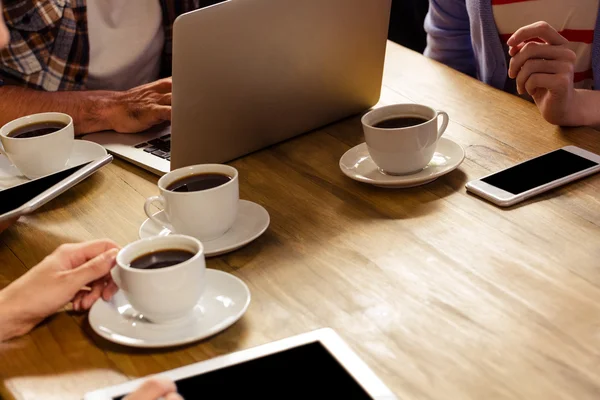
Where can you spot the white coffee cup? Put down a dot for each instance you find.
(165, 294)
(206, 214)
(400, 151)
(43, 155)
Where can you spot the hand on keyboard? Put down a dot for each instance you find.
(141, 108)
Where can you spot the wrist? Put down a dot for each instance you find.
(12, 324)
(585, 108)
(97, 106)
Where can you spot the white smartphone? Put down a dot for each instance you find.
(536, 176)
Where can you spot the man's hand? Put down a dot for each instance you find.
(131, 111)
(545, 71)
(155, 389)
(141, 108)
(62, 277)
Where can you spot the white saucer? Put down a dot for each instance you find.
(225, 300)
(83, 152)
(252, 221)
(357, 164)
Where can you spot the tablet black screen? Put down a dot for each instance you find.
(305, 372)
(15, 197)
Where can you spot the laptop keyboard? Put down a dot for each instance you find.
(160, 147)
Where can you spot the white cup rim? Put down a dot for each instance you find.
(393, 109)
(4, 130)
(193, 169)
(121, 264)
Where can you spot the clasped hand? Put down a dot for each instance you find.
(546, 71)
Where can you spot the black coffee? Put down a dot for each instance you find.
(161, 259)
(36, 129)
(198, 182)
(400, 122)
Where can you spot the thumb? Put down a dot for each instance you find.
(96, 268)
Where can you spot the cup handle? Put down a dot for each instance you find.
(2, 152)
(148, 211)
(116, 276)
(445, 123)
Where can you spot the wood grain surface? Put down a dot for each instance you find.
(443, 295)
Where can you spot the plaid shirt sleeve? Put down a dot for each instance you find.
(48, 49)
(49, 46)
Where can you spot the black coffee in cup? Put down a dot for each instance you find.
(400, 122)
(36, 129)
(161, 259)
(199, 182)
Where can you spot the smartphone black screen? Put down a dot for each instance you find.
(15, 197)
(304, 372)
(539, 171)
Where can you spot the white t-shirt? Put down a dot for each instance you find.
(126, 43)
(574, 19)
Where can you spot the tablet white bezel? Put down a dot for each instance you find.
(327, 337)
(56, 190)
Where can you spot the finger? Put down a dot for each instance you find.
(163, 85)
(165, 100)
(541, 66)
(6, 224)
(110, 290)
(539, 30)
(93, 295)
(80, 253)
(552, 82)
(153, 389)
(94, 269)
(173, 396)
(161, 113)
(77, 300)
(513, 51)
(542, 51)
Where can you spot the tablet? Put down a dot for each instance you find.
(314, 365)
(29, 196)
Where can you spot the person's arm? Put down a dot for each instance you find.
(131, 111)
(4, 36)
(449, 35)
(86, 108)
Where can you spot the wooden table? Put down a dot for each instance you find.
(443, 295)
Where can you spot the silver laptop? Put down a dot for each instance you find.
(251, 73)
